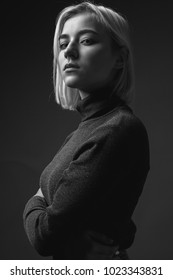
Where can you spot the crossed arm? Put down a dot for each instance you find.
(93, 164)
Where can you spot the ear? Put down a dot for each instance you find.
(121, 57)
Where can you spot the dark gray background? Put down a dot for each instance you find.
(33, 127)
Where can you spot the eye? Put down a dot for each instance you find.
(87, 41)
(63, 45)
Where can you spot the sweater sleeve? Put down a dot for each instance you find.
(98, 162)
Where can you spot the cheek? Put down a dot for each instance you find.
(92, 61)
(98, 62)
(99, 59)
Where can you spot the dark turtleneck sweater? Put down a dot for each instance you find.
(93, 182)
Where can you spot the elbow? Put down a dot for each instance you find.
(41, 245)
(42, 248)
(38, 235)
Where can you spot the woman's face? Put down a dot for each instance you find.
(86, 58)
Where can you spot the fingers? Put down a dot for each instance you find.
(103, 249)
(39, 193)
(99, 246)
(101, 253)
(100, 237)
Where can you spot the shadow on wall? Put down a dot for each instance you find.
(19, 182)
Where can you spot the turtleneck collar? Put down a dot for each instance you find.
(96, 105)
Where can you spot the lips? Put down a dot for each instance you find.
(71, 66)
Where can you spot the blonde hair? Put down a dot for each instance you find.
(118, 29)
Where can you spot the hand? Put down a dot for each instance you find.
(39, 193)
(100, 246)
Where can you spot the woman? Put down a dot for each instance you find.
(89, 191)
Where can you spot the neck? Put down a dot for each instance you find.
(97, 92)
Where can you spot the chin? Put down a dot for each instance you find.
(72, 82)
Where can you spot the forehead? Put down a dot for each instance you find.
(82, 21)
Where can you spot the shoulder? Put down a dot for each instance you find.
(124, 117)
(121, 131)
(121, 121)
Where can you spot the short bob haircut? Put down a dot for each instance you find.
(118, 29)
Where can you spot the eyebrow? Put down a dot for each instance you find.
(81, 32)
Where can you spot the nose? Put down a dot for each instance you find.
(71, 51)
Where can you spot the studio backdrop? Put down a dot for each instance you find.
(33, 126)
